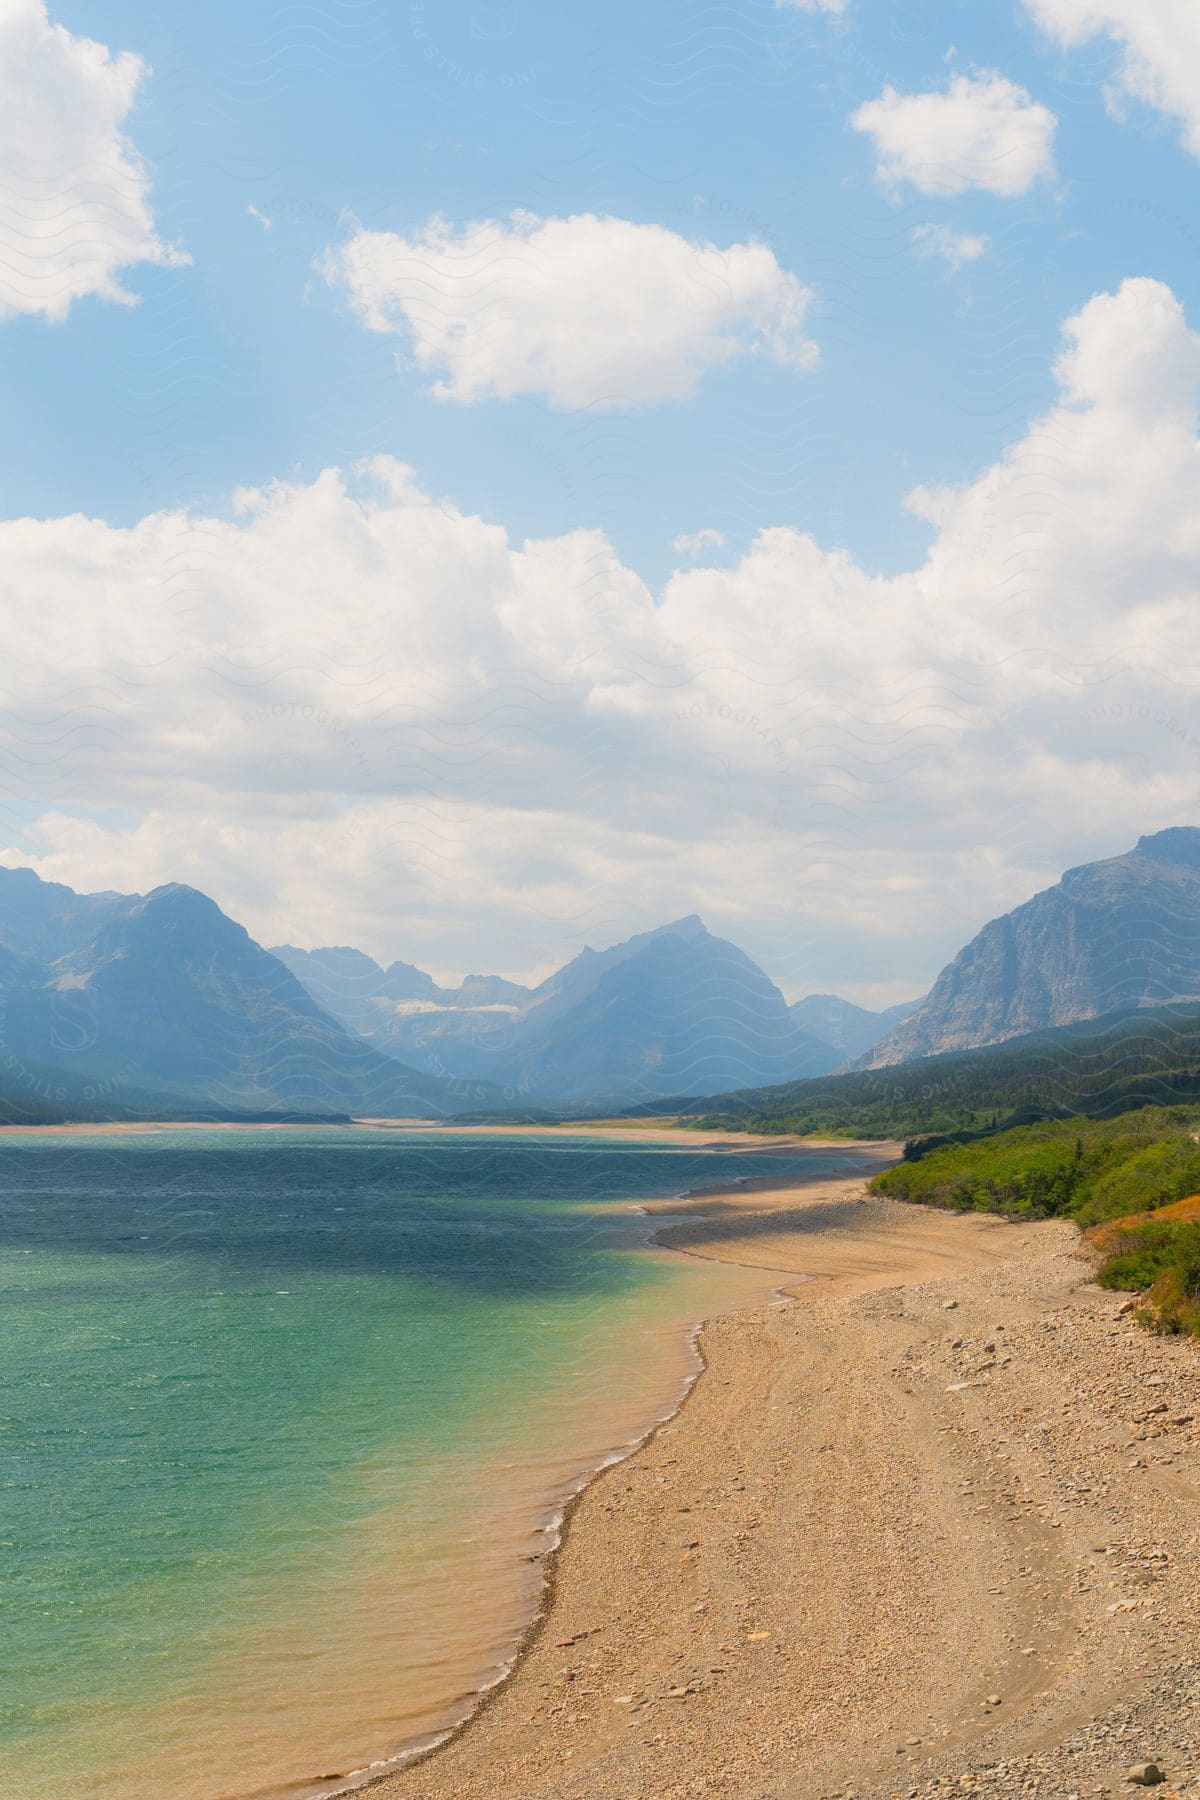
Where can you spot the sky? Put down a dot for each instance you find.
(480, 480)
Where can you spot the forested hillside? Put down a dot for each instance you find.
(1099, 1068)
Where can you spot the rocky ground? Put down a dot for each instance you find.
(1094, 1427)
(930, 1527)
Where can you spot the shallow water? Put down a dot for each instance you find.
(285, 1418)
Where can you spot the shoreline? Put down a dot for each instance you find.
(931, 1423)
(363, 1781)
(683, 1137)
(701, 1202)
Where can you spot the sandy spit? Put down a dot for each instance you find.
(928, 1524)
(664, 1132)
(632, 1134)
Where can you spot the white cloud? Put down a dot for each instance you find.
(982, 131)
(695, 543)
(252, 212)
(354, 713)
(74, 206)
(825, 6)
(583, 311)
(953, 247)
(1160, 42)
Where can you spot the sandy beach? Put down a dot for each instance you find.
(928, 1523)
(609, 1131)
(656, 1131)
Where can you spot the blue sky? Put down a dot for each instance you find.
(726, 126)
(245, 367)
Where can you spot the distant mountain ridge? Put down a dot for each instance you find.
(364, 995)
(668, 1011)
(164, 992)
(850, 1030)
(43, 920)
(1110, 935)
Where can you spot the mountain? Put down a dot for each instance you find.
(353, 988)
(1145, 1056)
(43, 920)
(849, 1030)
(165, 992)
(669, 1011)
(376, 1002)
(1113, 934)
(490, 990)
(674, 1010)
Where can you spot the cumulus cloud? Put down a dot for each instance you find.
(74, 202)
(982, 131)
(695, 543)
(1160, 46)
(585, 311)
(354, 713)
(952, 247)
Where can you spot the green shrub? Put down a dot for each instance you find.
(1146, 1251)
(1161, 1173)
(1091, 1171)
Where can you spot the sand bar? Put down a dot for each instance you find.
(685, 1136)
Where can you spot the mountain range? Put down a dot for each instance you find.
(160, 998)
(670, 1011)
(1109, 935)
(145, 1000)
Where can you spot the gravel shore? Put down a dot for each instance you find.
(929, 1525)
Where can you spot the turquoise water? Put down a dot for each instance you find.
(282, 1414)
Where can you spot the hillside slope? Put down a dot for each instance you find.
(1145, 1056)
(164, 992)
(1110, 935)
